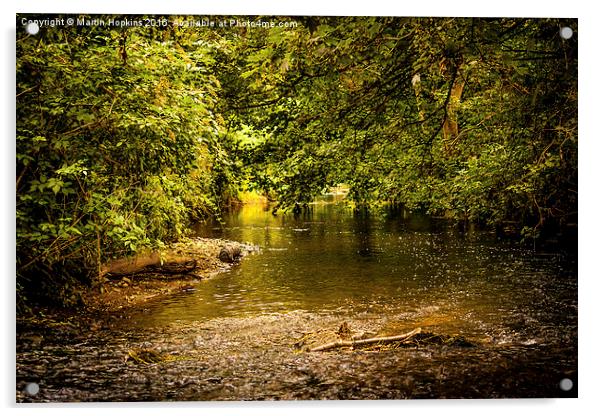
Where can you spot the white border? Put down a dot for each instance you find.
(589, 202)
(507, 8)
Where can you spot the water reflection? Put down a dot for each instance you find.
(417, 270)
(383, 272)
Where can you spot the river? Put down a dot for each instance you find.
(381, 273)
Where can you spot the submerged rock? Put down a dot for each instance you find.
(230, 253)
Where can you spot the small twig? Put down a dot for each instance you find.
(353, 343)
(27, 90)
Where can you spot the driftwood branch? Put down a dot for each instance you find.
(356, 343)
(173, 268)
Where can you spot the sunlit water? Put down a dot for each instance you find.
(415, 270)
(383, 273)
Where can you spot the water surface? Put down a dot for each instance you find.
(382, 273)
(415, 269)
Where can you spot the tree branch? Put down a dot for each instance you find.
(354, 343)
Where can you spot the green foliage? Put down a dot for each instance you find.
(114, 135)
(470, 118)
(126, 136)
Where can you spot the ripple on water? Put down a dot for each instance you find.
(384, 275)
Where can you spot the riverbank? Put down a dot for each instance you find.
(498, 320)
(129, 283)
(259, 358)
(180, 267)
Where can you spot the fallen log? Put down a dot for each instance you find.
(360, 342)
(173, 267)
(165, 269)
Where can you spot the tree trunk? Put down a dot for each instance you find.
(165, 269)
(450, 125)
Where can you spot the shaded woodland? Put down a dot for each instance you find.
(128, 136)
